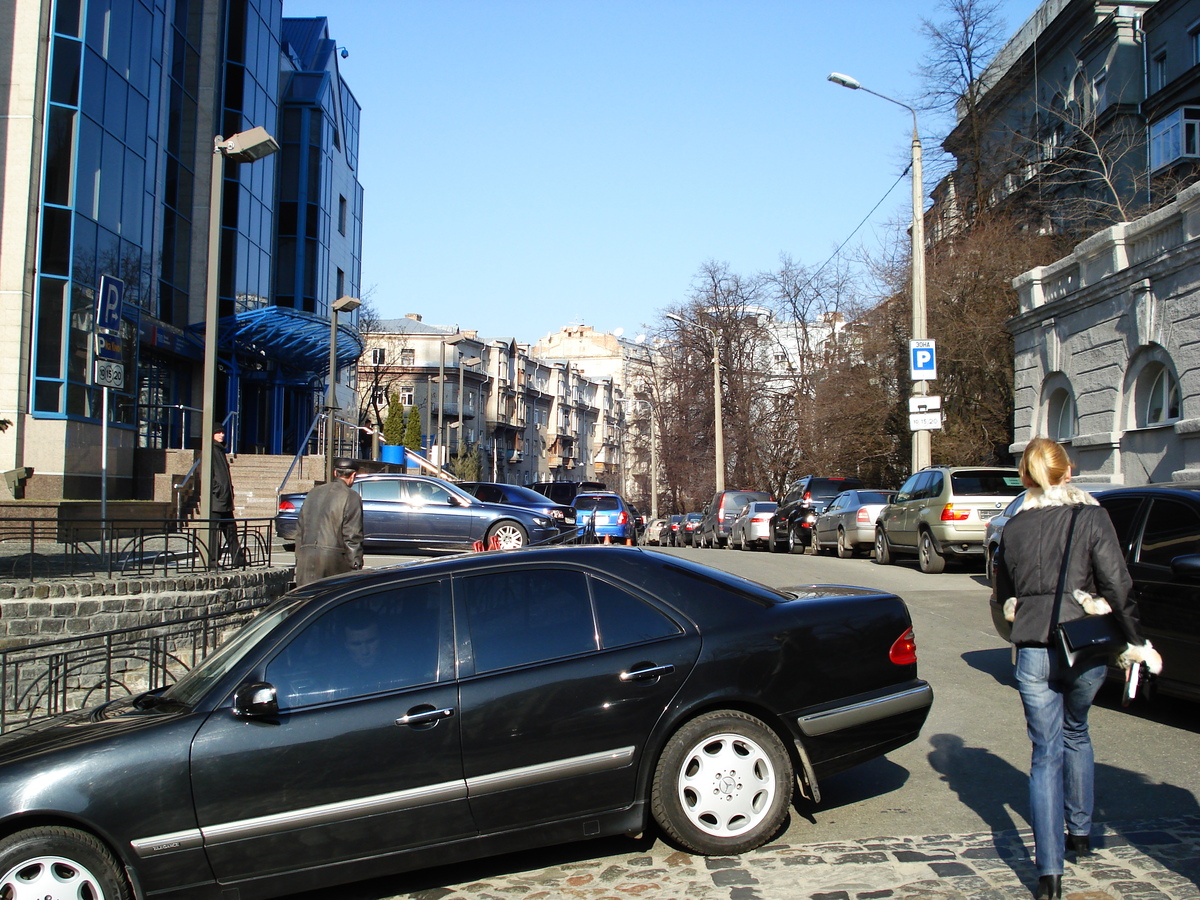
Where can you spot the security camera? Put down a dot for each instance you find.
(345, 53)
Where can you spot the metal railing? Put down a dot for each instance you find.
(82, 548)
(52, 677)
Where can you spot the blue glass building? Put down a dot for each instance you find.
(113, 111)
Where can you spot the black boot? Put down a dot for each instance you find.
(1079, 843)
(1049, 888)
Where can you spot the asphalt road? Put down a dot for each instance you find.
(965, 775)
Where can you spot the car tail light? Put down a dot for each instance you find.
(863, 516)
(623, 518)
(760, 520)
(286, 506)
(807, 496)
(904, 651)
(952, 513)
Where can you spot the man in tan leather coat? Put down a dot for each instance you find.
(329, 533)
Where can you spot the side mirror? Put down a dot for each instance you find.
(255, 700)
(1186, 566)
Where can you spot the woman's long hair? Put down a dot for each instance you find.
(1045, 462)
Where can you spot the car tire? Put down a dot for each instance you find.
(510, 535)
(55, 861)
(723, 784)
(844, 550)
(989, 564)
(883, 553)
(791, 541)
(745, 544)
(929, 559)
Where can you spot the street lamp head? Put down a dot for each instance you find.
(844, 80)
(247, 146)
(451, 339)
(675, 317)
(346, 304)
(471, 361)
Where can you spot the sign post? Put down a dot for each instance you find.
(107, 371)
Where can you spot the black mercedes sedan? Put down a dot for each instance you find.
(414, 716)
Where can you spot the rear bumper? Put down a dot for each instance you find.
(866, 710)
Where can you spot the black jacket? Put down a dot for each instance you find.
(222, 483)
(1030, 557)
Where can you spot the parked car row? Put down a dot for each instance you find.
(422, 513)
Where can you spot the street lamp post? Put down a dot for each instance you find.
(448, 341)
(245, 146)
(921, 441)
(653, 455)
(340, 305)
(717, 420)
(462, 364)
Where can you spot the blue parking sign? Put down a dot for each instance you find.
(108, 303)
(922, 360)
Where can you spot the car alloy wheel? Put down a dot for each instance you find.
(883, 553)
(509, 535)
(745, 545)
(52, 861)
(723, 784)
(791, 541)
(928, 558)
(844, 550)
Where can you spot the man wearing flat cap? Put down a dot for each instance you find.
(222, 527)
(329, 533)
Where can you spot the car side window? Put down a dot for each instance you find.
(910, 486)
(425, 493)
(1124, 514)
(379, 490)
(489, 493)
(526, 616)
(1172, 529)
(625, 619)
(933, 487)
(375, 643)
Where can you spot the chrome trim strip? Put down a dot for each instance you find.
(551, 771)
(831, 720)
(191, 839)
(334, 812)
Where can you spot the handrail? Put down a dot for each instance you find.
(299, 453)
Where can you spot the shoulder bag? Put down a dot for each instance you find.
(1083, 639)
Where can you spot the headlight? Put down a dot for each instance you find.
(543, 522)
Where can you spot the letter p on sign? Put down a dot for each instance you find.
(922, 360)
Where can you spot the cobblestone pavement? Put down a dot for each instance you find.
(1157, 860)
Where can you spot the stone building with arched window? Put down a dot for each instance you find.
(1107, 350)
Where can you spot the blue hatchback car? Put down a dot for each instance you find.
(604, 514)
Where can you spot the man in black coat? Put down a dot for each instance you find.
(329, 533)
(221, 510)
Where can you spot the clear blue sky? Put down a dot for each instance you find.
(533, 163)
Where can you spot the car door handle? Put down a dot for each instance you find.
(647, 674)
(425, 717)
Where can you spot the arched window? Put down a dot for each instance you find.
(1157, 396)
(1060, 416)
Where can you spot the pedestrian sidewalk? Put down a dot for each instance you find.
(1157, 860)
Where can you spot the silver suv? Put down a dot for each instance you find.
(942, 512)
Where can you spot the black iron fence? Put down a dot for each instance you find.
(104, 548)
(51, 677)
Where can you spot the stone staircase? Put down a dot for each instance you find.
(256, 477)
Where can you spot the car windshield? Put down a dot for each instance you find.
(603, 504)
(985, 482)
(192, 686)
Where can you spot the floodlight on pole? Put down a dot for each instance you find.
(921, 440)
(245, 147)
(718, 425)
(340, 305)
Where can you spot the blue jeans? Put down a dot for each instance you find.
(1061, 774)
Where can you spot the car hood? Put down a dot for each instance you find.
(83, 727)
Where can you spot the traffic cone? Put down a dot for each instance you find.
(607, 539)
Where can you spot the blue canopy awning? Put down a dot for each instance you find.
(293, 338)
